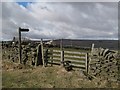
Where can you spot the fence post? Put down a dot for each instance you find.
(20, 55)
(39, 55)
(62, 57)
(92, 48)
(51, 58)
(46, 57)
(62, 52)
(42, 52)
(86, 63)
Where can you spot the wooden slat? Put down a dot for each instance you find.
(56, 57)
(53, 59)
(56, 54)
(56, 50)
(73, 52)
(78, 50)
(56, 60)
(76, 61)
(74, 56)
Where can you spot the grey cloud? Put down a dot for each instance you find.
(61, 20)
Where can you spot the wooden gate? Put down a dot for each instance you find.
(55, 56)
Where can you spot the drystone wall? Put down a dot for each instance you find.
(104, 63)
(12, 53)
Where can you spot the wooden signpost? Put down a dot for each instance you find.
(21, 30)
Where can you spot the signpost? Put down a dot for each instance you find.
(21, 30)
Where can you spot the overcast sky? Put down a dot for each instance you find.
(73, 20)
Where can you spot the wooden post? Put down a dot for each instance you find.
(42, 52)
(46, 58)
(51, 58)
(61, 44)
(20, 55)
(86, 63)
(92, 48)
(62, 52)
(37, 59)
(21, 30)
(62, 57)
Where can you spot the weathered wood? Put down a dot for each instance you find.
(20, 55)
(74, 56)
(86, 63)
(62, 57)
(51, 57)
(42, 52)
(46, 57)
(92, 48)
(56, 51)
(61, 44)
(74, 52)
(56, 54)
(77, 59)
(58, 58)
(39, 55)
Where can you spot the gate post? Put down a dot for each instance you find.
(51, 58)
(86, 63)
(62, 57)
(62, 52)
(20, 55)
(46, 57)
(42, 52)
(92, 49)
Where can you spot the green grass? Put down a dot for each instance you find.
(49, 77)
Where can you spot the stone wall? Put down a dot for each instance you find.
(104, 63)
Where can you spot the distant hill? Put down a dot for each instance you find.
(111, 44)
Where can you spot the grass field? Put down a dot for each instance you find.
(19, 76)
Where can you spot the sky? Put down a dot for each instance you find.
(56, 20)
